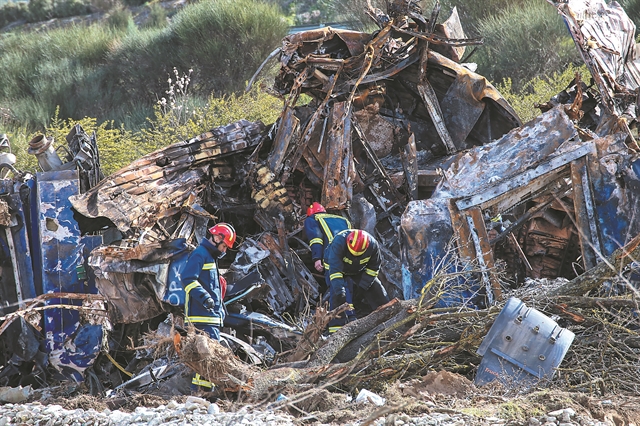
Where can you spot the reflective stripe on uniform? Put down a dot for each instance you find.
(347, 260)
(365, 260)
(199, 381)
(187, 290)
(334, 328)
(208, 266)
(371, 272)
(315, 241)
(191, 286)
(326, 265)
(205, 320)
(336, 275)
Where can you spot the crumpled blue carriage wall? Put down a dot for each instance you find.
(426, 226)
(427, 251)
(15, 250)
(615, 176)
(71, 347)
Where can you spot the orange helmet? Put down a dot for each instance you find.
(226, 231)
(358, 241)
(315, 208)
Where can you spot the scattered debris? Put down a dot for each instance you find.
(468, 204)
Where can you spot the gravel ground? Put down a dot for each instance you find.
(198, 411)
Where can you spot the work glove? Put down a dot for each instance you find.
(209, 304)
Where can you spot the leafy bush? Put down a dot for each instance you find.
(179, 118)
(71, 8)
(524, 42)
(224, 41)
(538, 90)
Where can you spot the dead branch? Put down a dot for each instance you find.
(313, 332)
(33, 303)
(351, 331)
(607, 269)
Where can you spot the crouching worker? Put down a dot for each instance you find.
(203, 287)
(352, 261)
(320, 228)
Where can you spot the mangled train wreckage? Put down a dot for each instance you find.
(401, 136)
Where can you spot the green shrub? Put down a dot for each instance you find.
(12, 12)
(40, 10)
(181, 118)
(39, 71)
(114, 71)
(134, 2)
(224, 41)
(523, 42)
(157, 17)
(67, 8)
(121, 19)
(538, 90)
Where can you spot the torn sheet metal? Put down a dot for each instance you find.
(137, 195)
(17, 276)
(615, 175)
(605, 37)
(136, 280)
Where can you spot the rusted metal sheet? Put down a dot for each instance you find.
(287, 128)
(410, 166)
(338, 171)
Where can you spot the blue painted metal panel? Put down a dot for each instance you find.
(522, 346)
(20, 240)
(62, 253)
(73, 359)
(616, 192)
(89, 242)
(174, 294)
(34, 233)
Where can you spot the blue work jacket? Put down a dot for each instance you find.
(201, 279)
(320, 229)
(339, 261)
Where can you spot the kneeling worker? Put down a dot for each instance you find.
(320, 228)
(352, 261)
(202, 283)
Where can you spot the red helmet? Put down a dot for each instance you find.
(226, 231)
(358, 241)
(315, 208)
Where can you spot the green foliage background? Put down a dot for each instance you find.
(114, 70)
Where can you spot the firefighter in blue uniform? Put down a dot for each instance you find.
(320, 228)
(352, 261)
(202, 284)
